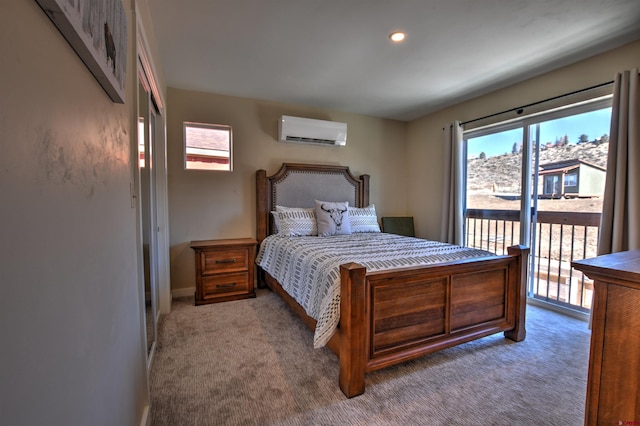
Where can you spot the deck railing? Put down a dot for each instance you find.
(561, 237)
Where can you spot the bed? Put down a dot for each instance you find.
(393, 314)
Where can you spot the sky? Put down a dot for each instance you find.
(594, 124)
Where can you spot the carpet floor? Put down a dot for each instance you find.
(252, 362)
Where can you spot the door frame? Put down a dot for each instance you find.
(144, 67)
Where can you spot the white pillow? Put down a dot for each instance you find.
(294, 221)
(333, 218)
(364, 219)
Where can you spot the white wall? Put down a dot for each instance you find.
(70, 324)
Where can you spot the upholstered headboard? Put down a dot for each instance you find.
(299, 185)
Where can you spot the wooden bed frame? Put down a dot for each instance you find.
(392, 316)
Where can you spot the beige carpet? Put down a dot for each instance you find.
(252, 362)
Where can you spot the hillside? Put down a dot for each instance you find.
(501, 173)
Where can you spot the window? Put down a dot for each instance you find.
(207, 147)
(551, 185)
(571, 179)
(558, 143)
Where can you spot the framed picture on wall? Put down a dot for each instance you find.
(97, 31)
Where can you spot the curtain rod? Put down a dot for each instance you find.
(520, 109)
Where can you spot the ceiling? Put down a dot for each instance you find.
(336, 54)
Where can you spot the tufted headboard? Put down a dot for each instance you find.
(299, 185)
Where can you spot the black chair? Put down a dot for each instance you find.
(398, 225)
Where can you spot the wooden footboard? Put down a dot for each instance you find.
(393, 316)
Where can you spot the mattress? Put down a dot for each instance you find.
(308, 268)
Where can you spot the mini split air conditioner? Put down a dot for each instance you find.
(308, 130)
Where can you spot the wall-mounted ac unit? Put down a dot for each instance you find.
(309, 130)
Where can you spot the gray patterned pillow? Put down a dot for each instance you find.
(276, 222)
(296, 222)
(333, 218)
(364, 219)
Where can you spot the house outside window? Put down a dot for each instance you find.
(571, 179)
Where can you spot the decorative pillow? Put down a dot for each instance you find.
(333, 218)
(295, 222)
(364, 219)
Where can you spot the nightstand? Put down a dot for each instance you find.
(224, 269)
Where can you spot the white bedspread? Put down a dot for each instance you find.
(308, 268)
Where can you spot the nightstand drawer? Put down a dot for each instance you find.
(217, 261)
(224, 284)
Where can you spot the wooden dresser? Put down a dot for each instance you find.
(613, 387)
(224, 269)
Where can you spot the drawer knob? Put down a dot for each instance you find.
(230, 285)
(226, 261)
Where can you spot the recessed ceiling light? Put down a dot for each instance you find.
(397, 36)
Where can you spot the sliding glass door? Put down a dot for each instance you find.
(539, 181)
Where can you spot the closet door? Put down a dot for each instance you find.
(147, 209)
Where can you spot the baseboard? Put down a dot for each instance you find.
(183, 292)
(583, 316)
(146, 418)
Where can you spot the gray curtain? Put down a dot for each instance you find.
(452, 230)
(620, 222)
